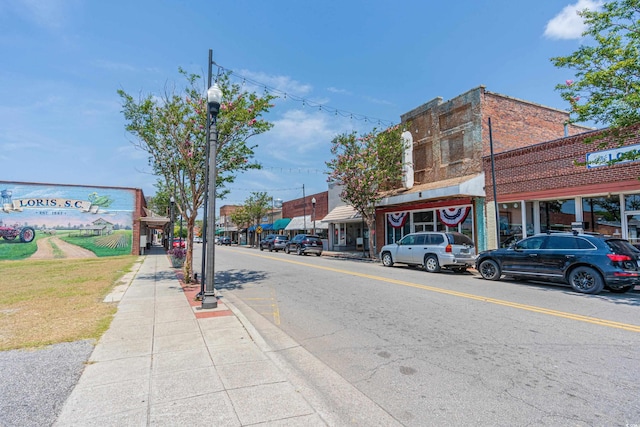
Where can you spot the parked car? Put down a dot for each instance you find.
(274, 242)
(197, 239)
(587, 262)
(226, 241)
(179, 243)
(433, 250)
(303, 244)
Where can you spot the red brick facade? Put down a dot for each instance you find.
(549, 170)
(302, 206)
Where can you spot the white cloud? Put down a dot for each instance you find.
(568, 24)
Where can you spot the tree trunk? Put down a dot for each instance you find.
(188, 265)
(371, 223)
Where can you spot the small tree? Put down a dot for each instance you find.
(366, 166)
(256, 207)
(606, 89)
(171, 128)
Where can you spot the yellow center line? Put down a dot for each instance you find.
(532, 308)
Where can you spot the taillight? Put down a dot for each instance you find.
(619, 258)
(448, 249)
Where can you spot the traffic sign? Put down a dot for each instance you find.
(259, 230)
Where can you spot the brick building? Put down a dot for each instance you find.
(554, 185)
(113, 219)
(305, 215)
(446, 143)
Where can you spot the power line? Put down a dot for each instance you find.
(309, 103)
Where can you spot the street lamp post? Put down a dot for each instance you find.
(172, 201)
(214, 98)
(313, 214)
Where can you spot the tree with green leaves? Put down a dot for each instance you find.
(171, 129)
(366, 166)
(606, 88)
(255, 207)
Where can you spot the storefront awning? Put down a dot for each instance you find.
(264, 227)
(281, 224)
(342, 214)
(465, 186)
(299, 222)
(153, 220)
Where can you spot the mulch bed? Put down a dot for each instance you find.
(191, 291)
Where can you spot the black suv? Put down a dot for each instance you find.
(274, 242)
(305, 243)
(587, 262)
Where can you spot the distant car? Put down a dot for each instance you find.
(225, 241)
(197, 240)
(433, 250)
(587, 262)
(179, 243)
(303, 244)
(266, 242)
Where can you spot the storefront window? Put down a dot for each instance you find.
(557, 215)
(401, 228)
(602, 215)
(423, 221)
(632, 202)
(510, 223)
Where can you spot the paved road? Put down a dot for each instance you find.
(445, 349)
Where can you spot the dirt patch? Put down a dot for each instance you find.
(45, 250)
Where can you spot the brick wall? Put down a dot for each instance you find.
(549, 167)
(451, 137)
(298, 207)
(516, 123)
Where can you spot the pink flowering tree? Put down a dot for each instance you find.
(606, 86)
(366, 166)
(171, 129)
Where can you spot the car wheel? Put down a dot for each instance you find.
(270, 248)
(299, 250)
(622, 289)
(586, 280)
(286, 250)
(387, 260)
(261, 248)
(431, 264)
(318, 253)
(489, 270)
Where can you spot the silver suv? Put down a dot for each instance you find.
(433, 250)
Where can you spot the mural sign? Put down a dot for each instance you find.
(98, 219)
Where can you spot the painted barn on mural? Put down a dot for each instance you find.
(48, 218)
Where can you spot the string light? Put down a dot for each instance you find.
(307, 102)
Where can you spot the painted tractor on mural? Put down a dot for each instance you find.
(26, 234)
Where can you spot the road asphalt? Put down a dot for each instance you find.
(165, 361)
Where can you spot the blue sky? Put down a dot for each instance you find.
(64, 60)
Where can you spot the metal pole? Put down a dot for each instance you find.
(181, 207)
(495, 191)
(205, 205)
(209, 299)
(304, 210)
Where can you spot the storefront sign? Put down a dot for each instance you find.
(630, 153)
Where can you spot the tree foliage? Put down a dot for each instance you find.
(255, 207)
(366, 166)
(171, 129)
(607, 69)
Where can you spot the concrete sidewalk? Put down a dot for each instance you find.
(164, 361)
